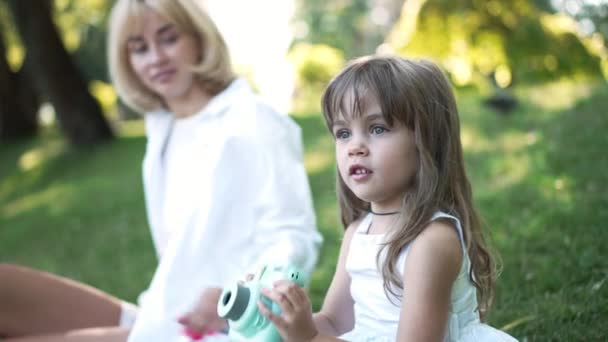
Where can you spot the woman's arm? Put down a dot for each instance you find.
(285, 228)
(432, 265)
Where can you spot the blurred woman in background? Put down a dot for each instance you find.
(225, 186)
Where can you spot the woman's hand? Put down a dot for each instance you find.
(203, 318)
(295, 322)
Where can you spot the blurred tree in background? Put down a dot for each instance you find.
(19, 102)
(592, 19)
(329, 32)
(82, 24)
(316, 64)
(505, 41)
(354, 27)
(592, 15)
(492, 44)
(513, 40)
(57, 77)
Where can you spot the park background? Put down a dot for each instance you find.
(530, 78)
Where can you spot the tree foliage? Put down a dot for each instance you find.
(510, 40)
(355, 27)
(83, 29)
(592, 15)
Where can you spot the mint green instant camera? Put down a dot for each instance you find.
(238, 304)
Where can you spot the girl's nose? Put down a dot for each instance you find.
(358, 147)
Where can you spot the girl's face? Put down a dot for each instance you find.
(377, 162)
(161, 57)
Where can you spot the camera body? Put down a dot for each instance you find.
(238, 304)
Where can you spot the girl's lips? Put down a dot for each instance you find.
(359, 172)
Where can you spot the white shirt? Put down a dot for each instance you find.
(237, 198)
(179, 196)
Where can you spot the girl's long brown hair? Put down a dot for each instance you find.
(417, 94)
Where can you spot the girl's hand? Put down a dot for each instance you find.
(295, 323)
(203, 319)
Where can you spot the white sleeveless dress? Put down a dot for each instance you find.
(377, 317)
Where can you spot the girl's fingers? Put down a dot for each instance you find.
(280, 298)
(278, 321)
(294, 292)
(298, 294)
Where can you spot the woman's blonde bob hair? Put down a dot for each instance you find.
(214, 71)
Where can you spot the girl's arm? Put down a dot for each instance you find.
(432, 265)
(337, 312)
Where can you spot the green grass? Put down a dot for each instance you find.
(539, 176)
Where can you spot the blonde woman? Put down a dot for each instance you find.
(225, 186)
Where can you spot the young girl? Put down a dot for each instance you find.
(414, 265)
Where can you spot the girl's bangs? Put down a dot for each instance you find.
(392, 83)
(346, 97)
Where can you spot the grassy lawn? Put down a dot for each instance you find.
(539, 176)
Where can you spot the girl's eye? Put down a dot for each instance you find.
(378, 130)
(342, 134)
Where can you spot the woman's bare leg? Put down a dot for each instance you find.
(39, 303)
(85, 335)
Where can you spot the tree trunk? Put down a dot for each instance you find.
(16, 120)
(56, 75)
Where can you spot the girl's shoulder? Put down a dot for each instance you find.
(440, 233)
(437, 247)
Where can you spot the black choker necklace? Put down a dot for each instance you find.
(383, 214)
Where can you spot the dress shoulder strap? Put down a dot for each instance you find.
(364, 225)
(441, 214)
